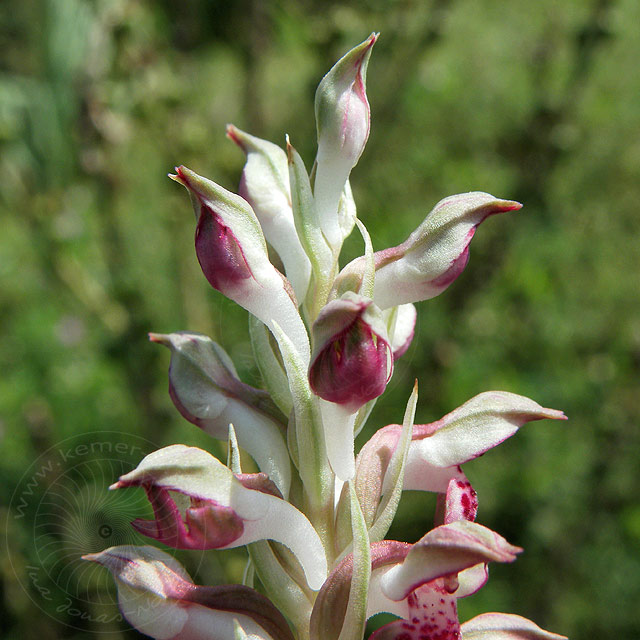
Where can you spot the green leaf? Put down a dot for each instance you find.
(233, 455)
(368, 277)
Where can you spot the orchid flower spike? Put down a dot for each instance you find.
(325, 341)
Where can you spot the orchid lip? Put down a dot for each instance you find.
(204, 525)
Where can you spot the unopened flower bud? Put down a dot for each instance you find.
(433, 256)
(233, 255)
(352, 360)
(342, 120)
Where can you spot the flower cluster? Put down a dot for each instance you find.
(315, 515)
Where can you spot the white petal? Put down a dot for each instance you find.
(471, 580)
(282, 522)
(149, 583)
(446, 550)
(337, 422)
(378, 602)
(157, 617)
(262, 439)
(403, 327)
(421, 475)
(478, 425)
(265, 186)
(505, 626)
(208, 624)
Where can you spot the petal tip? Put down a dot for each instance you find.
(512, 205)
(159, 338)
(555, 414)
(178, 176)
(233, 133)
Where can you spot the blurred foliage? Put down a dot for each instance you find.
(539, 102)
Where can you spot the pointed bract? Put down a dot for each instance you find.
(330, 608)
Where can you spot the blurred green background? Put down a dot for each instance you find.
(533, 101)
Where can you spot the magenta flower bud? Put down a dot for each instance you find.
(224, 249)
(232, 252)
(352, 360)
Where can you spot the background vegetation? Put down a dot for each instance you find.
(538, 102)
